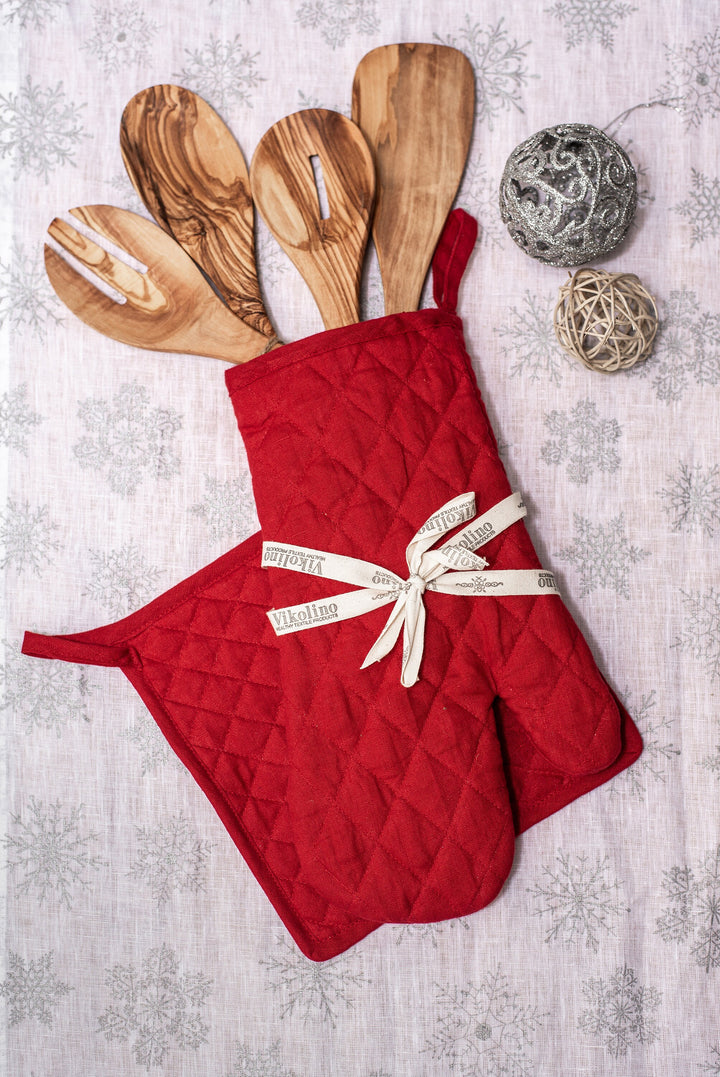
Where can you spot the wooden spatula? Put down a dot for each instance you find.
(190, 172)
(415, 105)
(326, 249)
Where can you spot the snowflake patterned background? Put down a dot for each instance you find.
(620, 1011)
(484, 1028)
(691, 915)
(137, 940)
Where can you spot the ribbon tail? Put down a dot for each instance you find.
(389, 635)
(413, 641)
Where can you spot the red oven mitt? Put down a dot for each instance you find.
(205, 661)
(354, 437)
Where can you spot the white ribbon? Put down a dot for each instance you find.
(452, 569)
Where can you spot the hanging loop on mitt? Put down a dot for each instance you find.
(452, 568)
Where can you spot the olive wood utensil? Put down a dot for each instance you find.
(191, 174)
(327, 250)
(415, 105)
(170, 307)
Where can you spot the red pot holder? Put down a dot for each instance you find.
(357, 800)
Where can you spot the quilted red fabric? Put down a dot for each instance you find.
(206, 662)
(398, 795)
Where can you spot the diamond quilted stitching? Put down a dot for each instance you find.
(406, 424)
(213, 676)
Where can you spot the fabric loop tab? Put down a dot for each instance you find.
(452, 569)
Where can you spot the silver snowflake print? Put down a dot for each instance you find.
(224, 72)
(156, 1007)
(620, 1011)
(32, 990)
(531, 342)
(122, 35)
(705, 366)
(713, 1066)
(711, 763)
(310, 989)
(27, 302)
(693, 78)
(693, 497)
(310, 101)
(338, 19)
(227, 508)
(39, 128)
(579, 899)
(170, 857)
(50, 853)
(644, 196)
(602, 555)
(426, 932)
(31, 12)
(658, 749)
(272, 262)
(700, 633)
(43, 694)
(267, 1062)
(692, 913)
(674, 348)
(485, 1029)
(121, 580)
(17, 419)
(687, 347)
(590, 20)
(26, 534)
(499, 63)
(673, 357)
(128, 438)
(702, 207)
(478, 195)
(151, 744)
(582, 441)
(124, 194)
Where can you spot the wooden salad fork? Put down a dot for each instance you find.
(169, 307)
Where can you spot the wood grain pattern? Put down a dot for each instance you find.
(170, 307)
(191, 174)
(415, 104)
(328, 252)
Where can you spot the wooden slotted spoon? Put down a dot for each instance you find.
(169, 307)
(327, 250)
(415, 105)
(191, 174)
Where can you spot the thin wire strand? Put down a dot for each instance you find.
(662, 102)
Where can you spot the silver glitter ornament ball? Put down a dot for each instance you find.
(568, 194)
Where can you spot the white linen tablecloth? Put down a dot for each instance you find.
(136, 939)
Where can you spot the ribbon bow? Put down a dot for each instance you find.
(452, 568)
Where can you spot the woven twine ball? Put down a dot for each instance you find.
(606, 320)
(568, 194)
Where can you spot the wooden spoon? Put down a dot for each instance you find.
(415, 106)
(327, 250)
(190, 172)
